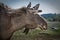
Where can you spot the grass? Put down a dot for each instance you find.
(35, 35)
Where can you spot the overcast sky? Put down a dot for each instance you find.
(47, 6)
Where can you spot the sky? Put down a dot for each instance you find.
(47, 6)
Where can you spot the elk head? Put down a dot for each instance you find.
(40, 21)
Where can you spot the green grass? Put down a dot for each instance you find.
(35, 35)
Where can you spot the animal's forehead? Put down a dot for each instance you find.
(32, 9)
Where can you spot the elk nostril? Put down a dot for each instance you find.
(39, 10)
(44, 28)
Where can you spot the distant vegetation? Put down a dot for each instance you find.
(52, 17)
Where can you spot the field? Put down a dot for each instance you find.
(38, 34)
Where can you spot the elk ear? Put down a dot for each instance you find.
(36, 7)
(29, 5)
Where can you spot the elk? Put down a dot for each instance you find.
(13, 20)
(42, 24)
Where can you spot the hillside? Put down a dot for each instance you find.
(51, 17)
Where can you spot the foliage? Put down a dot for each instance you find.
(52, 17)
